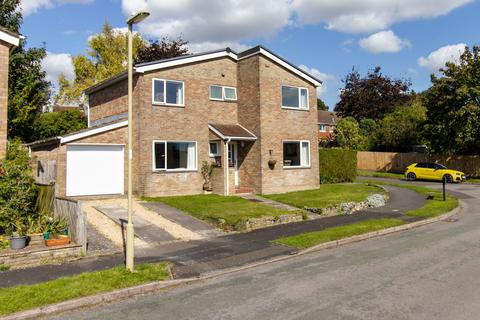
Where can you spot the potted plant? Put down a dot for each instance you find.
(18, 241)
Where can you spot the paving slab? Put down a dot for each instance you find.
(268, 202)
(183, 219)
(144, 229)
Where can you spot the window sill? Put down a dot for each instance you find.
(174, 170)
(157, 104)
(296, 167)
(296, 109)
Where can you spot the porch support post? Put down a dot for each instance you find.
(227, 168)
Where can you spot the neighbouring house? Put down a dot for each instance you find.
(251, 114)
(327, 121)
(8, 41)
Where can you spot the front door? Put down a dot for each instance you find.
(233, 158)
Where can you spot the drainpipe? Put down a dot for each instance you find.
(227, 167)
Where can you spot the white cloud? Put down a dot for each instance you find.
(32, 6)
(384, 42)
(56, 63)
(208, 46)
(355, 16)
(437, 59)
(324, 77)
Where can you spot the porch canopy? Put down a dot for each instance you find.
(232, 132)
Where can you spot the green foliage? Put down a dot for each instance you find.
(4, 243)
(58, 123)
(28, 91)
(453, 106)
(367, 126)
(164, 49)
(26, 297)
(207, 170)
(400, 130)
(347, 134)
(337, 165)
(106, 57)
(17, 191)
(310, 239)
(321, 105)
(372, 96)
(10, 15)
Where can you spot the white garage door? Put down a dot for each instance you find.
(94, 169)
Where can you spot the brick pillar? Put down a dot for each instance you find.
(4, 56)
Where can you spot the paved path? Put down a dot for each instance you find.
(268, 202)
(430, 272)
(198, 257)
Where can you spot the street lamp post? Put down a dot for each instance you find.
(129, 256)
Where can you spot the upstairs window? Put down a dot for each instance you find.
(221, 93)
(294, 98)
(168, 92)
(296, 154)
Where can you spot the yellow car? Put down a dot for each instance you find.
(433, 171)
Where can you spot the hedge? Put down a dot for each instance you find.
(337, 165)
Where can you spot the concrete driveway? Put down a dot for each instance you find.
(432, 272)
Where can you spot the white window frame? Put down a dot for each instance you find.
(324, 127)
(218, 149)
(300, 142)
(154, 169)
(223, 93)
(164, 103)
(299, 98)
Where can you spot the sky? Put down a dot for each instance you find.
(409, 39)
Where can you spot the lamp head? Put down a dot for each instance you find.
(137, 17)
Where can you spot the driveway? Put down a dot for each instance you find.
(430, 272)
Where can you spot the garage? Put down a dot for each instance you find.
(95, 169)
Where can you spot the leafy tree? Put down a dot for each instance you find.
(453, 106)
(28, 91)
(372, 96)
(321, 105)
(164, 49)
(106, 57)
(347, 134)
(401, 130)
(57, 123)
(367, 126)
(10, 15)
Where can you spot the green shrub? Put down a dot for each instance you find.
(17, 191)
(337, 165)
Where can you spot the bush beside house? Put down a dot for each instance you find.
(337, 165)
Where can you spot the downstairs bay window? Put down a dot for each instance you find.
(174, 155)
(296, 154)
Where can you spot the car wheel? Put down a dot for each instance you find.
(411, 176)
(448, 178)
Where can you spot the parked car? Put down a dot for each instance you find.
(433, 171)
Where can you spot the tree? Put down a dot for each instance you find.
(347, 134)
(453, 106)
(58, 123)
(28, 91)
(400, 130)
(372, 96)
(321, 105)
(106, 57)
(10, 15)
(164, 49)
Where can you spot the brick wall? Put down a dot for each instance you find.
(4, 56)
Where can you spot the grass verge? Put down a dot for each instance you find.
(434, 205)
(26, 297)
(310, 239)
(327, 196)
(233, 210)
(365, 173)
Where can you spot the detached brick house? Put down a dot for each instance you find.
(8, 40)
(327, 121)
(253, 114)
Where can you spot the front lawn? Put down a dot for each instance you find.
(214, 207)
(26, 297)
(327, 195)
(310, 239)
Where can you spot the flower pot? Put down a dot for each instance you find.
(46, 235)
(18, 242)
(60, 241)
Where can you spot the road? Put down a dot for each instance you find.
(432, 272)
